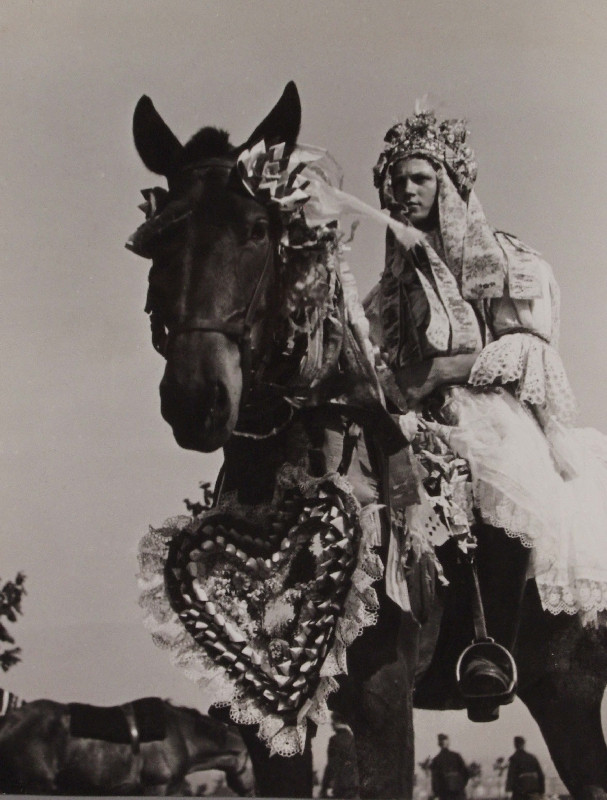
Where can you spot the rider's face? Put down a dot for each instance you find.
(414, 185)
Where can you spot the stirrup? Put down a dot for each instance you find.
(487, 677)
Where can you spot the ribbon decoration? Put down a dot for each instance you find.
(274, 176)
(524, 281)
(452, 326)
(438, 332)
(465, 332)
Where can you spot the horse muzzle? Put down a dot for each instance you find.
(200, 391)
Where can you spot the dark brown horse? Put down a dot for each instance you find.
(40, 754)
(218, 287)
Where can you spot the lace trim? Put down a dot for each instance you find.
(536, 369)
(500, 511)
(583, 595)
(492, 520)
(360, 611)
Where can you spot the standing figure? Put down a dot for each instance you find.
(465, 319)
(525, 776)
(449, 772)
(341, 773)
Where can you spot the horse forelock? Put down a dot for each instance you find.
(207, 143)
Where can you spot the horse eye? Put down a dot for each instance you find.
(259, 230)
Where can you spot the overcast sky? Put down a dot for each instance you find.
(87, 460)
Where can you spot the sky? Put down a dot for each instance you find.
(87, 461)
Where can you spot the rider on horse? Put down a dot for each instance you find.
(466, 322)
(255, 312)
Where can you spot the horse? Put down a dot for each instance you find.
(42, 753)
(246, 375)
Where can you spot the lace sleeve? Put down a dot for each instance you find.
(523, 355)
(535, 370)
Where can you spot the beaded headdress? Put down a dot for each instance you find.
(421, 135)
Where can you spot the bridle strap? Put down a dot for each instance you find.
(131, 720)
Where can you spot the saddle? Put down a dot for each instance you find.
(115, 723)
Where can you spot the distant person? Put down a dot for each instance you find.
(449, 772)
(341, 773)
(525, 777)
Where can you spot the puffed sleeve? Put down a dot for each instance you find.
(524, 331)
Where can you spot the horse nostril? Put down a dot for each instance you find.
(194, 408)
(219, 398)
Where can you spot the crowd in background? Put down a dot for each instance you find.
(446, 776)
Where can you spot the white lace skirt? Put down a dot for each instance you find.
(547, 488)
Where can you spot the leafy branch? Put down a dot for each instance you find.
(11, 596)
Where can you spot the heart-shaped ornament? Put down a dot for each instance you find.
(263, 600)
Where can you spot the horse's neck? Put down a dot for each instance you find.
(196, 746)
(337, 385)
(251, 465)
(318, 440)
(213, 747)
(324, 340)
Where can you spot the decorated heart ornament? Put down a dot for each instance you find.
(260, 604)
(264, 601)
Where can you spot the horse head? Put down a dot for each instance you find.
(213, 745)
(213, 246)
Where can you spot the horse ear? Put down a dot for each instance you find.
(157, 145)
(282, 123)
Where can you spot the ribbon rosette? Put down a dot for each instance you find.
(271, 175)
